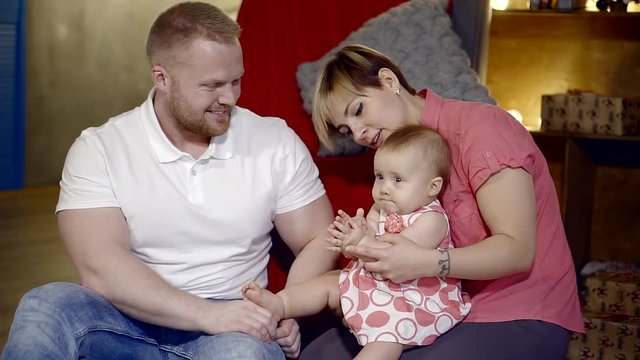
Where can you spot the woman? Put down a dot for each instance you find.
(511, 249)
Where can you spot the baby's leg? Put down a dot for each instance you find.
(264, 298)
(380, 350)
(303, 299)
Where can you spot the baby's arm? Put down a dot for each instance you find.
(427, 230)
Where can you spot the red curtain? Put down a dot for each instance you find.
(277, 36)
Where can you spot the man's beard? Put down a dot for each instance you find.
(192, 121)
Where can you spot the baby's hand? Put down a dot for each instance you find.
(358, 228)
(341, 229)
(361, 222)
(337, 231)
(342, 216)
(335, 244)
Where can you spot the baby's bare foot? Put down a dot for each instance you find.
(265, 298)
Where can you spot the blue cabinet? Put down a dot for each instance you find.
(12, 93)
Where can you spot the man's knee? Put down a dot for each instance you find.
(237, 345)
(47, 298)
(39, 329)
(56, 298)
(59, 307)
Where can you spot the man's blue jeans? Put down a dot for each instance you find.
(67, 321)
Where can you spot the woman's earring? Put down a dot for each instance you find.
(398, 91)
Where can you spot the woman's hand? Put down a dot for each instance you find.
(403, 260)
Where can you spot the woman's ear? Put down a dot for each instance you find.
(435, 185)
(388, 78)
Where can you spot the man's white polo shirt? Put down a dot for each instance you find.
(203, 224)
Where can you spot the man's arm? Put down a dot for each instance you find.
(305, 232)
(97, 241)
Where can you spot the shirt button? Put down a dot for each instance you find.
(488, 154)
(194, 173)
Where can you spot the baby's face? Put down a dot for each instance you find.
(402, 180)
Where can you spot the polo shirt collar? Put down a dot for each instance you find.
(432, 108)
(220, 147)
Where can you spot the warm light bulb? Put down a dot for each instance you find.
(516, 114)
(499, 4)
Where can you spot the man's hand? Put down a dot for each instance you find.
(288, 337)
(246, 317)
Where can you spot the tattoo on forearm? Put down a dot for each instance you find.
(444, 263)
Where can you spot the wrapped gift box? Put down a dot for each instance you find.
(588, 113)
(582, 112)
(618, 116)
(613, 293)
(554, 112)
(607, 337)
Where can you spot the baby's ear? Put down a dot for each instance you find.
(435, 185)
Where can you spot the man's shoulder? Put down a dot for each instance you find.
(270, 128)
(123, 123)
(251, 119)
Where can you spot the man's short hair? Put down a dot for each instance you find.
(185, 21)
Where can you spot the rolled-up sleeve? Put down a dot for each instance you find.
(493, 141)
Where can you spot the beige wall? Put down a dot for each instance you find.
(535, 53)
(85, 63)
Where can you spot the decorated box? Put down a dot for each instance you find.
(582, 112)
(617, 115)
(573, 112)
(554, 112)
(607, 337)
(588, 113)
(613, 293)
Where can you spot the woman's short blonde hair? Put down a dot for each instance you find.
(352, 69)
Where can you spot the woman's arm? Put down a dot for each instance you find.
(508, 206)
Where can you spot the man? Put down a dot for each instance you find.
(166, 212)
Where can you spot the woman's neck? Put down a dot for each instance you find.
(416, 106)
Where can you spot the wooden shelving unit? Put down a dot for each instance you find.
(580, 154)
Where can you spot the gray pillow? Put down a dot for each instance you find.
(418, 37)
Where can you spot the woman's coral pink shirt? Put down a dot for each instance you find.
(485, 139)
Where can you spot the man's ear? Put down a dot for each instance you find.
(388, 78)
(435, 185)
(159, 76)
